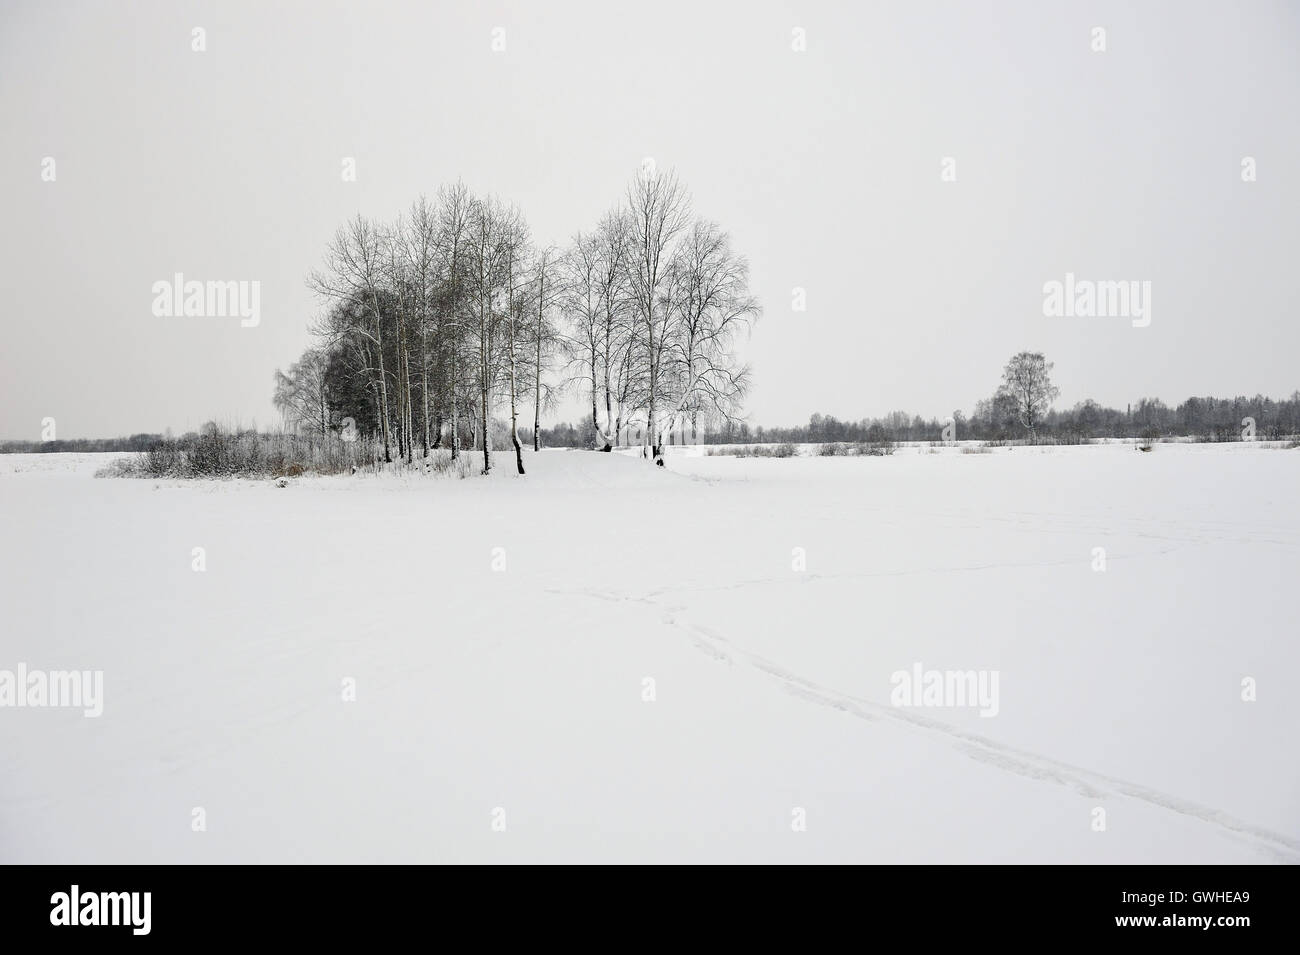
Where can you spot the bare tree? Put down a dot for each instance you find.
(302, 394)
(455, 206)
(419, 249)
(488, 247)
(400, 285)
(613, 239)
(544, 294)
(582, 310)
(711, 298)
(515, 239)
(658, 209)
(355, 268)
(1027, 382)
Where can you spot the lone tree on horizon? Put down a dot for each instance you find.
(1027, 383)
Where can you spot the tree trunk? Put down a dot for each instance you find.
(455, 306)
(455, 417)
(424, 370)
(514, 417)
(402, 444)
(401, 399)
(609, 413)
(410, 404)
(383, 384)
(600, 440)
(609, 418)
(651, 433)
(487, 452)
(656, 450)
(510, 341)
(483, 361)
(537, 382)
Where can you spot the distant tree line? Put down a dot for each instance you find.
(1021, 408)
(319, 389)
(136, 442)
(1200, 418)
(1204, 419)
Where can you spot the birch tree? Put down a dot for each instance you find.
(613, 240)
(355, 268)
(302, 393)
(419, 249)
(1027, 383)
(658, 210)
(400, 287)
(487, 261)
(546, 291)
(582, 309)
(455, 207)
(515, 240)
(713, 305)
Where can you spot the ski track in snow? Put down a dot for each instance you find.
(1085, 782)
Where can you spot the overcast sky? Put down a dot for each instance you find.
(825, 165)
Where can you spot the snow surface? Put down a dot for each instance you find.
(521, 689)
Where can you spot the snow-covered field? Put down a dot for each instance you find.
(501, 634)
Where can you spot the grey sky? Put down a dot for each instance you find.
(825, 165)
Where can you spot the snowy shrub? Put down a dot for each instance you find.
(756, 451)
(121, 468)
(1148, 438)
(165, 460)
(440, 462)
(220, 452)
(875, 449)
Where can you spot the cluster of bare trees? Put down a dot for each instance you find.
(654, 299)
(441, 320)
(430, 320)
